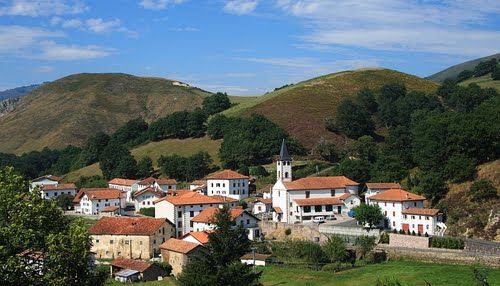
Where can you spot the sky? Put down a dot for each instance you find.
(242, 47)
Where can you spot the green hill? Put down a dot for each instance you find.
(483, 81)
(453, 71)
(301, 109)
(71, 109)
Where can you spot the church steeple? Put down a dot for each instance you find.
(284, 165)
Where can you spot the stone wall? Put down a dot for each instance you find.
(409, 241)
(276, 230)
(482, 247)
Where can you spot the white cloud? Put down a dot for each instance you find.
(45, 69)
(98, 25)
(241, 7)
(34, 8)
(16, 39)
(449, 27)
(72, 23)
(55, 21)
(53, 51)
(158, 4)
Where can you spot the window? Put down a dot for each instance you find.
(393, 223)
(290, 204)
(223, 185)
(426, 218)
(412, 217)
(154, 241)
(427, 226)
(140, 242)
(55, 193)
(179, 224)
(393, 213)
(308, 193)
(329, 208)
(286, 174)
(405, 216)
(307, 209)
(415, 204)
(393, 204)
(217, 185)
(191, 213)
(127, 242)
(97, 241)
(385, 213)
(259, 208)
(111, 241)
(318, 208)
(385, 204)
(248, 221)
(332, 193)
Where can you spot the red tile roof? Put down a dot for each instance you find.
(265, 201)
(122, 182)
(208, 215)
(199, 182)
(147, 181)
(318, 201)
(150, 190)
(201, 236)
(383, 186)
(98, 194)
(421, 211)
(166, 181)
(127, 225)
(194, 198)
(133, 264)
(226, 175)
(180, 246)
(110, 209)
(278, 210)
(318, 183)
(396, 195)
(59, 187)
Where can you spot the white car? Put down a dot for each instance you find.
(318, 219)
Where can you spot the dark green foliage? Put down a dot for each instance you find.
(65, 201)
(330, 125)
(148, 211)
(389, 168)
(352, 120)
(464, 75)
(165, 266)
(244, 170)
(411, 102)
(288, 231)
(368, 214)
(357, 170)
(366, 101)
(366, 149)
(335, 249)
(431, 185)
(495, 74)
(144, 167)
(220, 263)
(481, 275)
(300, 251)
(389, 93)
(185, 168)
(216, 103)
(258, 171)
(327, 151)
(482, 190)
(447, 87)
(181, 124)
(216, 126)
(485, 67)
(364, 244)
(460, 168)
(399, 144)
(384, 238)
(117, 162)
(465, 99)
(448, 242)
(388, 282)
(132, 133)
(65, 160)
(91, 182)
(92, 150)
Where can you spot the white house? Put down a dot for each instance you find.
(91, 201)
(405, 211)
(53, 191)
(303, 199)
(145, 198)
(199, 237)
(375, 188)
(228, 183)
(163, 184)
(199, 186)
(45, 181)
(262, 206)
(204, 221)
(125, 185)
(180, 209)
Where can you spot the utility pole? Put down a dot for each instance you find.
(253, 253)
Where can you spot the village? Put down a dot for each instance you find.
(317, 207)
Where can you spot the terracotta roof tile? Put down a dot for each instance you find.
(207, 215)
(59, 187)
(126, 225)
(201, 236)
(383, 186)
(318, 201)
(396, 195)
(178, 245)
(151, 190)
(147, 181)
(278, 210)
(98, 194)
(166, 181)
(199, 182)
(110, 209)
(318, 183)
(421, 211)
(122, 182)
(194, 198)
(226, 175)
(133, 264)
(265, 201)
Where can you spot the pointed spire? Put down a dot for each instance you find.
(284, 152)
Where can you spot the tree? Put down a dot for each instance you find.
(353, 121)
(92, 150)
(216, 103)
(431, 185)
(366, 149)
(185, 168)
(327, 151)
(368, 214)
(495, 74)
(144, 167)
(358, 170)
(366, 101)
(485, 67)
(65, 201)
(91, 182)
(131, 133)
(258, 171)
(389, 93)
(482, 190)
(220, 264)
(30, 225)
(464, 75)
(335, 249)
(460, 168)
(116, 161)
(216, 126)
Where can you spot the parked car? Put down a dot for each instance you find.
(318, 219)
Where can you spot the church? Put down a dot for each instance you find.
(297, 201)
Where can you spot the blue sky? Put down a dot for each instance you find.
(239, 46)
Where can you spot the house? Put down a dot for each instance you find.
(199, 237)
(164, 185)
(228, 183)
(130, 270)
(259, 259)
(178, 252)
(91, 201)
(262, 206)
(266, 191)
(180, 209)
(52, 191)
(125, 185)
(131, 237)
(199, 186)
(303, 199)
(405, 211)
(145, 198)
(45, 181)
(204, 221)
(375, 188)
(111, 211)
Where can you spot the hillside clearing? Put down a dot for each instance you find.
(483, 81)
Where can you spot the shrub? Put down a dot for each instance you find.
(447, 242)
(401, 231)
(364, 244)
(384, 238)
(288, 231)
(148, 212)
(482, 190)
(335, 249)
(376, 257)
(413, 233)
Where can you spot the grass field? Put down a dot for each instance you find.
(408, 273)
(483, 81)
